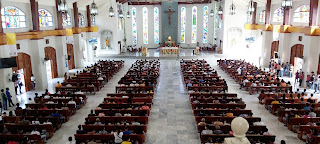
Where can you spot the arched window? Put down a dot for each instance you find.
(301, 14)
(145, 25)
(66, 19)
(183, 25)
(278, 15)
(194, 25)
(134, 26)
(45, 18)
(81, 19)
(205, 24)
(13, 17)
(262, 16)
(156, 25)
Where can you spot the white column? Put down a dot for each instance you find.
(284, 47)
(77, 49)
(6, 74)
(266, 48)
(38, 64)
(61, 52)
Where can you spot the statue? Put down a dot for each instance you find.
(239, 126)
(107, 42)
(169, 42)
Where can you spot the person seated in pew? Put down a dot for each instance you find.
(58, 85)
(80, 130)
(92, 114)
(36, 121)
(101, 114)
(24, 121)
(245, 80)
(103, 131)
(145, 106)
(240, 102)
(202, 122)
(307, 107)
(217, 130)
(74, 76)
(36, 132)
(118, 137)
(97, 122)
(57, 114)
(206, 131)
(218, 122)
(201, 113)
(126, 131)
(229, 113)
(73, 102)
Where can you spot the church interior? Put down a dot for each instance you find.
(160, 71)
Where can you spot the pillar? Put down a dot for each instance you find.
(286, 16)
(254, 15)
(38, 63)
(59, 17)
(35, 15)
(284, 47)
(88, 16)
(313, 12)
(77, 49)
(61, 52)
(311, 55)
(266, 48)
(268, 13)
(75, 14)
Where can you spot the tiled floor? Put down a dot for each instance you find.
(171, 120)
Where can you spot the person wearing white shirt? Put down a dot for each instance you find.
(206, 131)
(73, 102)
(118, 137)
(33, 81)
(43, 136)
(239, 71)
(46, 97)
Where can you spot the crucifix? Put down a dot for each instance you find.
(169, 12)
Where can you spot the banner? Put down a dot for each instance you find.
(12, 44)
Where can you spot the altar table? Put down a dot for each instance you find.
(168, 50)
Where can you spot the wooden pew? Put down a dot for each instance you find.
(106, 137)
(111, 119)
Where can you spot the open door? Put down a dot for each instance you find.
(274, 49)
(70, 52)
(296, 51)
(50, 53)
(24, 62)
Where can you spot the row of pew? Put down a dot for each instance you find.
(46, 113)
(215, 109)
(124, 114)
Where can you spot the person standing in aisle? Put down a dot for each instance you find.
(9, 96)
(33, 81)
(4, 99)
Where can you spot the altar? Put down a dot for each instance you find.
(169, 50)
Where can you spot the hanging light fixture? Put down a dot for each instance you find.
(251, 7)
(93, 9)
(128, 14)
(212, 11)
(232, 9)
(111, 11)
(63, 6)
(120, 13)
(286, 4)
(220, 10)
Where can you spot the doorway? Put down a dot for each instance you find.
(119, 44)
(274, 50)
(50, 53)
(25, 70)
(296, 57)
(49, 70)
(71, 54)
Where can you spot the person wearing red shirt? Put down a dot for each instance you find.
(145, 107)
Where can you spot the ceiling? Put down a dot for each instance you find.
(83, 3)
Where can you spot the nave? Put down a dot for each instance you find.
(171, 119)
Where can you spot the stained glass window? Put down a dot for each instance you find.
(145, 25)
(183, 25)
(278, 15)
(45, 18)
(134, 26)
(81, 19)
(194, 25)
(13, 17)
(156, 25)
(205, 24)
(262, 16)
(301, 14)
(66, 19)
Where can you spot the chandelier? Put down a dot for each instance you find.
(251, 7)
(111, 11)
(94, 9)
(220, 10)
(286, 4)
(232, 9)
(63, 6)
(120, 13)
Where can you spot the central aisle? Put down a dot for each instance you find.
(171, 120)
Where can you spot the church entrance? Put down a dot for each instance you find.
(296, 57)
(50, 53)
(274, 50)
(24, 71)
(71, 54)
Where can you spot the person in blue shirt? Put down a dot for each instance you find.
(4, 100)
(126, 131)
(9, 97)
(307, 107)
